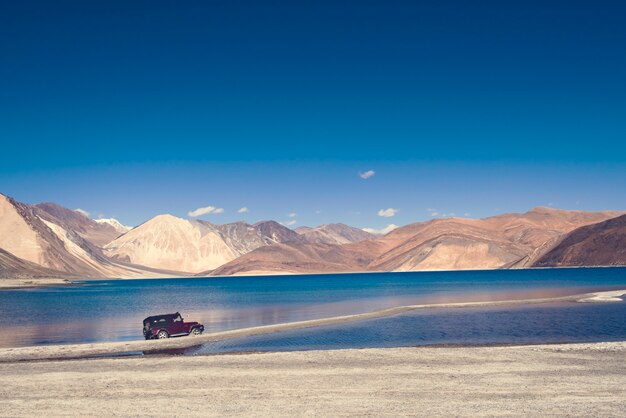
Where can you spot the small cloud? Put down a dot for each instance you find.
(291, 222)
(443, 215)
(243, 210)
(467, 214)
(367, 174)
(317, 212)
(205, 210)
(382, 231)
(82, 212)
(292, 215)
(387, 213)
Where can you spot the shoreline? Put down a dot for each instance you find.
(29, 283)
(537, 380)
(73, 351)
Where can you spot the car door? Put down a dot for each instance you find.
(177, 326)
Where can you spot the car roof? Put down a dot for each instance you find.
(164, 316)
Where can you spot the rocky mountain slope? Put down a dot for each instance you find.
(511, 240)
(14, 267)
(296, 257)
(600, 244)
(94, 232)
(334, 234)
(117, 225)
(54, 238)
(168, 242)
(48, 240)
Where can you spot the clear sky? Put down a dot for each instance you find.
(131, 109)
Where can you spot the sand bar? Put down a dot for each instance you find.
(547, 380)
(6, 284)
(74, 351)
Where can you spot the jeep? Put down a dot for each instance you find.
(169, 325)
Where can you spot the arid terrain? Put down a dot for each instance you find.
(48, 241)
(564, 380)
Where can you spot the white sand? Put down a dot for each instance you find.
(559, 380)
(34, 282)
(616, 296)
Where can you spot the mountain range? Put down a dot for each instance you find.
(48, 240)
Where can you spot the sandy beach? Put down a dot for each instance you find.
(35, 282)
(572, 380)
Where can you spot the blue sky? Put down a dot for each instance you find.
(131, 110)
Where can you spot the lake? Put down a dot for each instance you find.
(112, 310)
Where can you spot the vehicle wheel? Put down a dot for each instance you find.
(163, 334)
(196, 331)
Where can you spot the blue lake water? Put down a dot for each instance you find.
(530, 324)
(113, 310)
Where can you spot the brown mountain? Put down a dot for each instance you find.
(13, 267)
(171, 243)
(296, 257)
(334, 234)
(99, 234)
(47, 239)
(600, 244)
(511, 240)
(33, 235)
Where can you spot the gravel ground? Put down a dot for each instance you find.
(572, 380)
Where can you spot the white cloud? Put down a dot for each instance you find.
(317, 212)
(292, 215)
(367, 174)
(243, 210)
(205, 210)
(291, 222)
(382, 231)
(387, 213)
(82, 212)
(436, 214)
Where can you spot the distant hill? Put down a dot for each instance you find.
(57, 239)
(14, 267)
(509, 240)
(47, 240)
(505, 241)
(117, 225)
(192, 246)
(334, 234)
(600, 244)
(92, 231)
(296, 257)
